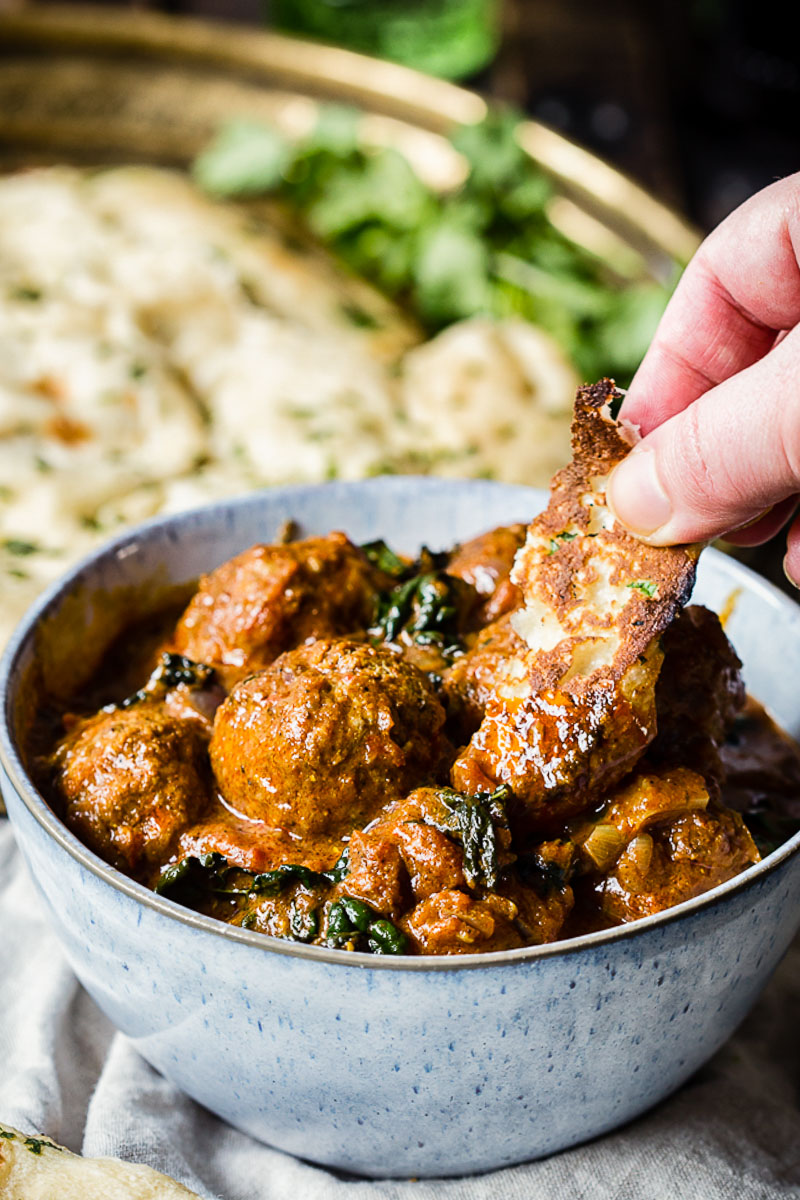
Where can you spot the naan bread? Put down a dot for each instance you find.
(595, 597)
(159, 350)
(572, 707)
(36, 1168)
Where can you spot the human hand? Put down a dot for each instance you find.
(717, 395)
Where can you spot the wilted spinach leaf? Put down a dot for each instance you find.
(473, 821)
(352, 922)
(172, 670)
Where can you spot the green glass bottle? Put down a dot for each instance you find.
(450, 38)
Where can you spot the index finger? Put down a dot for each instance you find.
(741, 289)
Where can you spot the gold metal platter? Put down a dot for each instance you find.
(87, 85)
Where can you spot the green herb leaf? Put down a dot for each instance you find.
(487, 246)
(176, 874)
(339, 927)
(629, 324)
(304, 923)
(473, 821)
(556, 542)
(359, 316)
(384, 188)
(495, 156)
(245, 159)
(19, 547)
(172, 670)
(29, 294)
(384, 558)
(386, 938)
(36, 1145)
(336, 130)
(195, 877)
(357, 912)
(340, 869)
(647, 586)
(352, 921)
(451, 273)
(425, 608)
(269, 883)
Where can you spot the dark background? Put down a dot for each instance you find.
(699, 100)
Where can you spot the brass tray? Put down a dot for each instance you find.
(87, 85)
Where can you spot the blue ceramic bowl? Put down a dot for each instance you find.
(416, 1066)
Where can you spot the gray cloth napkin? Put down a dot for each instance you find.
(732, 1132)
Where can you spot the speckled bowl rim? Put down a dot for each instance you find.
(11, 762)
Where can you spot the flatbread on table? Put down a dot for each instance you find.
(36, 1168)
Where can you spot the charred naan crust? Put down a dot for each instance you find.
(595, 597)
(570, 710)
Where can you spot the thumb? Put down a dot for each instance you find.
(734, 452)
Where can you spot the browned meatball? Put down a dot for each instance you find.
(485, 563)
(660, 839)
(699, 692)
(559, 753)
(320, 741)
(132, 780)
(471, 681)
(271, 598)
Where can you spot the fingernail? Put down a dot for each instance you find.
(635, 494)
(787, 573)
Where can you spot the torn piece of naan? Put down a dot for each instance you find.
(574, 707)
(37, 1168)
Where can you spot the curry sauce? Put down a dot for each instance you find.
(318, 748)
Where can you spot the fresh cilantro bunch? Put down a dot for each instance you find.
(487, 248)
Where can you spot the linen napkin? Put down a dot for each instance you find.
(731, 1133)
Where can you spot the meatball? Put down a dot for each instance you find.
(132, 780)
(271, 598)
(558, 752)
(471, 681)
(699, 692)
(321, 740)
(485, 563)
